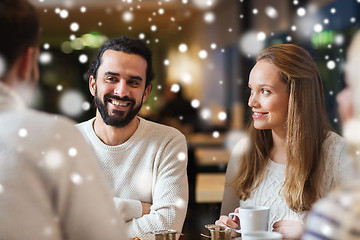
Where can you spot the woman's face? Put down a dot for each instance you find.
(344, 100)
(269, 97)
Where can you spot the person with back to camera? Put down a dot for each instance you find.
(144, 161)
(51, 186)
(337, 215)
(291, 157)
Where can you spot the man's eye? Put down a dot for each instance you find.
(135, 83)
(111, 79)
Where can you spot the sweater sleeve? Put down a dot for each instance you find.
(129, 208)
(170, 193)
(230, 200)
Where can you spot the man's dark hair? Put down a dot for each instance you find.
(19, 28)
(126, 45)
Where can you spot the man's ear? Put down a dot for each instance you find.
(92, 85)
(25, 64)
(147, 92)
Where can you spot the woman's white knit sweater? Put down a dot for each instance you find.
(149, 167)
(337, 170)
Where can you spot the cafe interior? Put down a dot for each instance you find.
(203, 51)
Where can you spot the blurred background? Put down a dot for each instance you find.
(203, 51)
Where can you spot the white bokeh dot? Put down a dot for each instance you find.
(128, 16)
(64, 13)
(183, 47)
(205, 113)
(153, 28)
(261, 36)
(195, 103)
(46, 46)
(71, 103)
(161, 11)
(53, 159)
(301, 12)
(331, 64)
(45, 58)
(213, 46)
(74, 27)
(76, 178)
(180, 203)
(72, 152)
(48, 231)
(83, 9)
(250, 44)
(203, 54)
(216, 134)
(142, 36)
(86, 106)
(83, 58)
(318, 27)
(166, 62)
(209, 17)
(181, 156)
(59, 88)
(23, 132)
(175, 88)
(222, 116)
(271, 12)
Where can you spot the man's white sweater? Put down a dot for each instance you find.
(149, 167)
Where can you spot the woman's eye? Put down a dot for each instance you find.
(266, 92)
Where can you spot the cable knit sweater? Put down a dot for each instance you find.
(337, 171)
(51, 186)
(149, 167)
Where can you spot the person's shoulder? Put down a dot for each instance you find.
(241, 146)
(159, 128)
(82, 126)
(333, 140)
(48, 120)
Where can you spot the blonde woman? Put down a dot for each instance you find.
(338, 215)
(291, 157)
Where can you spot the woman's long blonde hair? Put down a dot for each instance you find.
(307, 127)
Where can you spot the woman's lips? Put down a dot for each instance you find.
(257, 115)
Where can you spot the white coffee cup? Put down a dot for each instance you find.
(253, 218)
(261, 235)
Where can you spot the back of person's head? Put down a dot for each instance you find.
(19, 28)
(129, 46)
(353, 73)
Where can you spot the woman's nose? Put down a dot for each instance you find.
(253, 101)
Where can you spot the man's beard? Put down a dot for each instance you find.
(118, 118)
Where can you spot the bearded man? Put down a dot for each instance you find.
(145, 162)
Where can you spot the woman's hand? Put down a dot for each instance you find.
(225, 221)
(290, 229)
